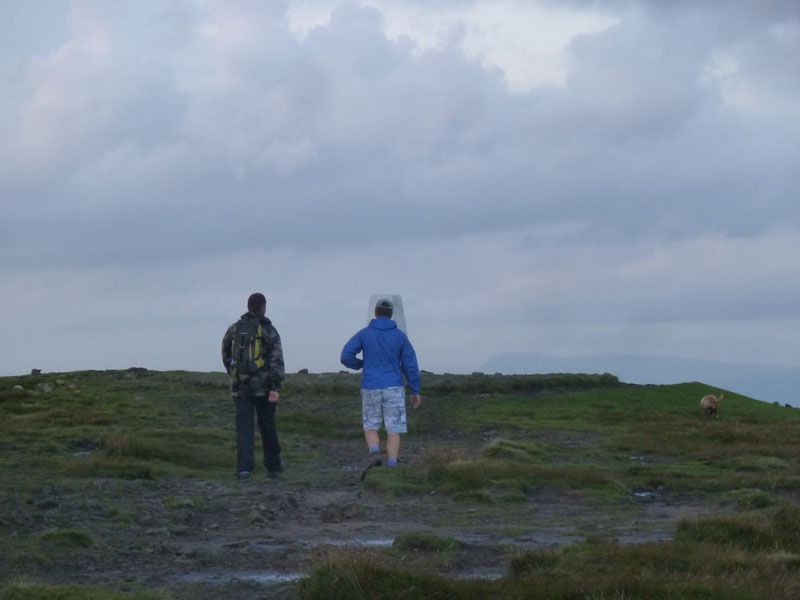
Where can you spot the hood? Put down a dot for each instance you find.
(248, 316)
(383, 323)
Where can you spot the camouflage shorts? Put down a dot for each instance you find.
(386, 403)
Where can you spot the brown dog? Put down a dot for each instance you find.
(710, 404)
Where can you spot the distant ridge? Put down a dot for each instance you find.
(770, 383)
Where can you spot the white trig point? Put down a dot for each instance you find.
(398, 315)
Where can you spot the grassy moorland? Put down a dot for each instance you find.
(118, 484)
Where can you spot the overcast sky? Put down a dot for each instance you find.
(593, 176)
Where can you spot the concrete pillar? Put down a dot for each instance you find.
(398, 316)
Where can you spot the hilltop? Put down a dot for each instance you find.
(121, 482)
(769, 383)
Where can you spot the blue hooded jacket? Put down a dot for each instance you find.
(387, 356)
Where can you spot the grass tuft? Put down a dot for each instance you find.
(522, 451)
(426, 542)
(775, 530)
(355, 575)
(755, 499)
(69, 537)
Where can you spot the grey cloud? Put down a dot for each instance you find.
(246, 133)
(176, 157)
(769, 10)
(741, 11)
(26, 29)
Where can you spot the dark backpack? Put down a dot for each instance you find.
(246, 347)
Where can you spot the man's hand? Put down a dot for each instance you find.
(415, 400)
(273, 396)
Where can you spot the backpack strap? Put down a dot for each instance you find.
(234, 374)
(256, 350)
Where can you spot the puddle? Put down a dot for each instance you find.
(641, 538)
(645, 494)
(272, 545)
(358, 542)
(489, 574)
(281, 544)
(264, 578)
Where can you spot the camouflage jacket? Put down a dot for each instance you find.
(273, 373)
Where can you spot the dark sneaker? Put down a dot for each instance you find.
(274, 474)
(243, 475)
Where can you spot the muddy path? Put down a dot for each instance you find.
(254, 538)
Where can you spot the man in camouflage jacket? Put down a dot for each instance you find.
(256, 392)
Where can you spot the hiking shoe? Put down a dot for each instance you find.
(243, 475)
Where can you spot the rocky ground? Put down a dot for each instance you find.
(252, 539)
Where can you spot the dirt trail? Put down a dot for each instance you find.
(231, 539)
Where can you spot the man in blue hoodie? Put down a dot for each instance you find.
(387, 356)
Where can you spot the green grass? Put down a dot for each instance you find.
(567, 430)
(426, 542)
(69, 538)
(24, 591)
(117, 424)
(774, 529)
(622, 438)
(755, 499)
(520, 450)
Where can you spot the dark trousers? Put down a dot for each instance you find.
(246, 404)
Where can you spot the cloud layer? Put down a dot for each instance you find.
(158, 162)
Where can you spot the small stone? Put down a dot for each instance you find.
(256, 517)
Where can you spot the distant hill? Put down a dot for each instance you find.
(770, 383)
